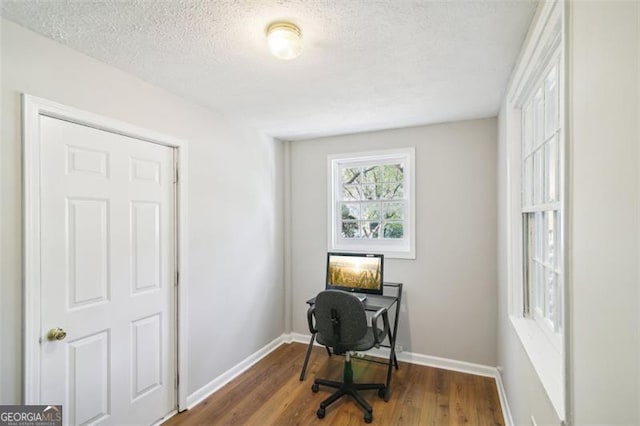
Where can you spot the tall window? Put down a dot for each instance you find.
(542, 204)
(535, 183)
(371, 202)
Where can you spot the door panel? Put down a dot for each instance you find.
(145, 242)
(87, 161)
(89, 378)
(107, 238)
(146, 357)
(87, 251)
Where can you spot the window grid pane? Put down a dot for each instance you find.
(369, 229)
(549, 297)
(351, 192)
(350, 229)
(558, 317)
(350, 211)
(351, 175)
(370, 211)
(527, 129)
(393, 211)
(393, 230)
(550, 238)
(539, 240)
(539, 284)
(392, 191)
(552, 167)
(528, 179)
(537, 122)
(551, 101)
(538, 177)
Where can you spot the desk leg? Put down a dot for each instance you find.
(306, 358)
(395, 326)
(393, 361)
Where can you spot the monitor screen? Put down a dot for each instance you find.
(361, 273)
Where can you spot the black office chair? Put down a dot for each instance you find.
(341, 323)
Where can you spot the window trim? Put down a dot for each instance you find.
(545, 39)
(402, 249)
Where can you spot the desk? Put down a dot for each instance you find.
(373, 303)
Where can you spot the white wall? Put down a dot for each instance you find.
(604, 108)
(235, 204)
(449, 307)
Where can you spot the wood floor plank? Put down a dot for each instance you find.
(270, 393)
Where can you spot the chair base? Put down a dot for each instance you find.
(350, 389)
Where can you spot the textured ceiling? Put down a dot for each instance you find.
(366, 64)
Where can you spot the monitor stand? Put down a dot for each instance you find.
(361, 297)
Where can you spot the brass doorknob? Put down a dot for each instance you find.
(56, 334)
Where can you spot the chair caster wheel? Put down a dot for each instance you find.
(315, 388)
(368, 417)
(320, 413)
(381, 392)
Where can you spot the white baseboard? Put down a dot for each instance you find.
(436, 362)
(211, 387)
(506, 410)
(419, 359)
(445, 363)
(300, 338)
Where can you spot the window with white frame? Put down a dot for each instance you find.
(371, 202)
(542, 203)
(535, 184)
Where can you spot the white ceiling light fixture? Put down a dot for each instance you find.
(285, 40)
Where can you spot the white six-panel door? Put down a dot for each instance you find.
(107, 275)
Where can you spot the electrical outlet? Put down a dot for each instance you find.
(399, 349)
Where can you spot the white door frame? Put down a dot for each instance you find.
(32, 108)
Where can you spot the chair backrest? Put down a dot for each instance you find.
(340, 318)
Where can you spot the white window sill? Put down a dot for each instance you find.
(546, 359)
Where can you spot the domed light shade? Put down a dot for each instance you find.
(285, 40)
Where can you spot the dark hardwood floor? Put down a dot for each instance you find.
(270, 393)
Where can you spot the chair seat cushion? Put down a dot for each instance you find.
(364, 344)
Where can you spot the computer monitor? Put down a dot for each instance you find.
(356, 272)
